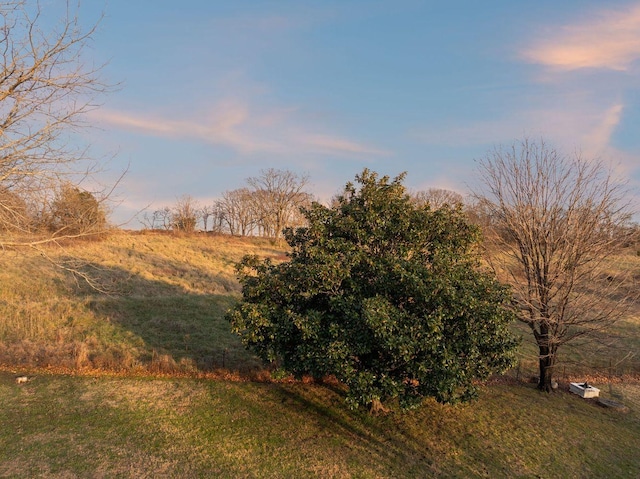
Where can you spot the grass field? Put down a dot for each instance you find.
(63, 426)
(147, 381)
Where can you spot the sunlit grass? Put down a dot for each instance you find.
(165, 309)
(169, 297)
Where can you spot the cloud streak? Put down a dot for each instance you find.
(333, 144)
(600, 136)
(232, 124)
(610, 40)
(221, 128)
(574, 124)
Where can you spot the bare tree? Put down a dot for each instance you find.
(205, 213)
(184, 216)
(480, 212)
(14, 213)
(217, 218)
(46, 86)
(148, 220)
(557, 219)
(160, 219)
(438, 197)
(296, 217)
(278, 195)
(163, 218)
(236, 209)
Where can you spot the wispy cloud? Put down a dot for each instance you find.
(340, 145)
(609, 40)
(232, 124)
(223, 127)
(569, 108)
(136, 123)
(578, 123)
(600, 136)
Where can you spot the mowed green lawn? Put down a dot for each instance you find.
(79, 426)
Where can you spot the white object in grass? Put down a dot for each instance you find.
(584, 390)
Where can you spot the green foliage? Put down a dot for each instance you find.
(382, 293)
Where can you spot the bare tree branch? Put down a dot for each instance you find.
(437, 198)
(556, 220)
(185, 213)
(47, 85)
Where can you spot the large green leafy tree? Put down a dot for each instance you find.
(384, 294)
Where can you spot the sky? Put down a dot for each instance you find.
(212, 92)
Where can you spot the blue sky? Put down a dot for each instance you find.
(214, 91)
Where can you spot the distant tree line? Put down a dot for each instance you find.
(269, 203)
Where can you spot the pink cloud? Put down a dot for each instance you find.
(611, 40)
(233, 124)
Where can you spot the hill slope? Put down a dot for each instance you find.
(164, 310)
(165, 315)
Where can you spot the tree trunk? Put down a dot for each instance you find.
(547, 361)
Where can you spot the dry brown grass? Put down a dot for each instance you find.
(164, 311)
(169, 297)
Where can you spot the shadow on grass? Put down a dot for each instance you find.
(383, 438)
(166, 325)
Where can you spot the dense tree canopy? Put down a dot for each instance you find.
(382, 293)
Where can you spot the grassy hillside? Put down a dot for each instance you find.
(166, 304)
(163, 309)
(128, 408)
